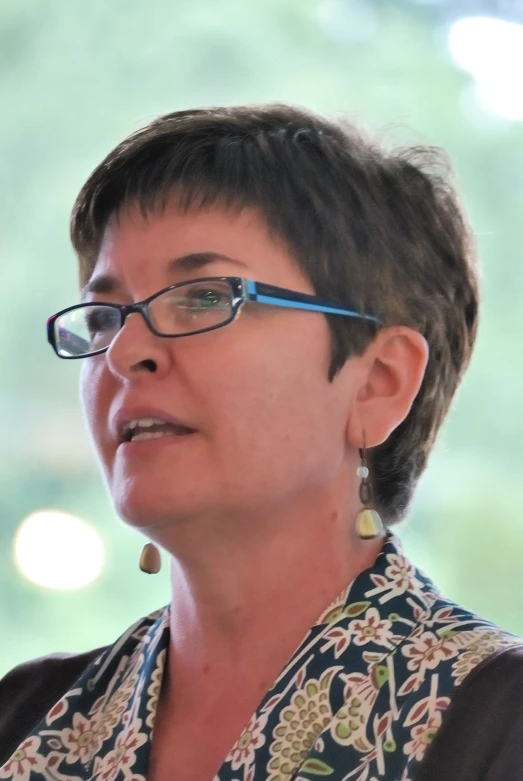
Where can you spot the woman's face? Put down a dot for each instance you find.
(269, 427)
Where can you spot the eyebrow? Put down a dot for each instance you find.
(105, 283)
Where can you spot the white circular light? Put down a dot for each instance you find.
(492, 51)
(57, 550)
(485, 46)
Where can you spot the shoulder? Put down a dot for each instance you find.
(29, 690)
(458, 636)
(446, 640)
(481, 736)
(56, 666)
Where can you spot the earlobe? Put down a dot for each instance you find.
(391, 370)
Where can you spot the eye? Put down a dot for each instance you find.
(195, 305)
(100, 319)
(207, 298)
(200, 296)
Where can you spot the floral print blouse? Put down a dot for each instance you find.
(361, 698)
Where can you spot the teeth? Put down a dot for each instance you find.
(137, 429)
(154, 435)
(143, 423)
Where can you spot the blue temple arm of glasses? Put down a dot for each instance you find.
(268, 294)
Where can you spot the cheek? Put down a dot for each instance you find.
(287, 445)
(275, 409)
(92, 396)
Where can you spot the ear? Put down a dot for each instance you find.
(387, 380)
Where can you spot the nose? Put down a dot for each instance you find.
(135, 349)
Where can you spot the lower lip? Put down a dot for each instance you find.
(145, 446)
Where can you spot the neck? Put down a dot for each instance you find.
(241, 607)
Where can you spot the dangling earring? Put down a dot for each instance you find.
(150, 560)
(368, 522)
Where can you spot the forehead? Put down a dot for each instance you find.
(173, 244)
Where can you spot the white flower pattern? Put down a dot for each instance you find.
(252, 737)
(25, 761)
(82, 740)
(372, 629)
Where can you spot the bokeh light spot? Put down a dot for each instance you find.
(492, 51)
(57, 550)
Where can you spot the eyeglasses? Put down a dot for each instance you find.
(184, 309)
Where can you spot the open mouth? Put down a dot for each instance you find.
(139, 430)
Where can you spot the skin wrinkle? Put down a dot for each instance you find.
(242, 505)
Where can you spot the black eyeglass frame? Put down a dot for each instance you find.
(242, 290)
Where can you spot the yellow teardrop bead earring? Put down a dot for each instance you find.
(150, 560)
(368, 522)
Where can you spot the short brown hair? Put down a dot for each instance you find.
(380, 230)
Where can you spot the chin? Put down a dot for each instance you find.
(142, 513)
(143, 507)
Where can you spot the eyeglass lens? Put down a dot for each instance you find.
(192, 307)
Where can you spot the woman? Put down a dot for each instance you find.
(275, 316)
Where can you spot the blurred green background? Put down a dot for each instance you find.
(75, 78)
